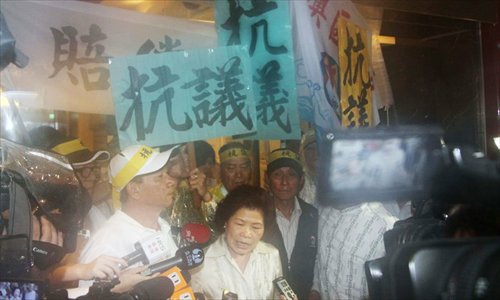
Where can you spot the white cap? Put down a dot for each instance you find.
(134, 161)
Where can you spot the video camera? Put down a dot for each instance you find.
(36, 183)
(422, 261)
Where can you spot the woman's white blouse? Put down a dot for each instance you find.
(219, 271)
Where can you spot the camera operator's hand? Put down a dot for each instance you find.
(102, 267)
(129, 278)
(44, 231)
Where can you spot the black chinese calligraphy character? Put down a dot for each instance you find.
(145, 153)
(102, 81)
(270, 107)
(351, 77)
(164, 78)
(66, 55)
(133, 93)
(59, 52)
(358, 68)
(360, 106)
(201, 84)
(271, 49)
(95, 35)
(150, 47)
(230, 102)
(236, 10)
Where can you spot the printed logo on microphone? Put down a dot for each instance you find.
(176, 280)
(193, 257)
(154, 247)
(198, 256)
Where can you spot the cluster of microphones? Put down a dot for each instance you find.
(173, 282)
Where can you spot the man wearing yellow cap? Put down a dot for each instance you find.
(295, 231)
(235, 170)
(140, 180)
(89, 166)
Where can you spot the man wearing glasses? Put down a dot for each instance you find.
(90, 168)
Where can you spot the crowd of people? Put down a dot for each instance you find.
(257, 234)
(18, 291)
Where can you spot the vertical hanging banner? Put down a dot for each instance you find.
(264, 28)
(182, 96)
(355, 81)
(316, 48)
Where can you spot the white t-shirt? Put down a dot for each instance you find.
(118, 236)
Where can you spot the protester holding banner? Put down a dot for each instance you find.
(238, 261)
(141, 181)
(296, 228)
(206, 163)
(191, 184)
(235, 170)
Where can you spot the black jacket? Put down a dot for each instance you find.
(299, 272)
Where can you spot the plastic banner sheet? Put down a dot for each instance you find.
(69, 44)
(182, 96)
(264, 27)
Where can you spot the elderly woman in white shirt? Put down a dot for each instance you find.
(238, 261)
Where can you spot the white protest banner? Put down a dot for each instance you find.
(317, 59)
(69, 44)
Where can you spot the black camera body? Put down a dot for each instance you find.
(423, 260)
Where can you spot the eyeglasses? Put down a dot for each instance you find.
(85, 172)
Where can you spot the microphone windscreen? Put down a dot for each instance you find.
(196, 233)
(192, 256)
(154, 288)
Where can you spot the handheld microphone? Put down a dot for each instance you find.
(185, 258)
(184, 294)
(180, 279)
(149, 249)
(284, 288)
(196, 233)
(227, 295)
(151, 289)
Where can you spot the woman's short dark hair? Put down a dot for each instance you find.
(244, 196)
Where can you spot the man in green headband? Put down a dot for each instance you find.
(235, 170)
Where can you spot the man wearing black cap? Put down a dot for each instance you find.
(296, 227)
